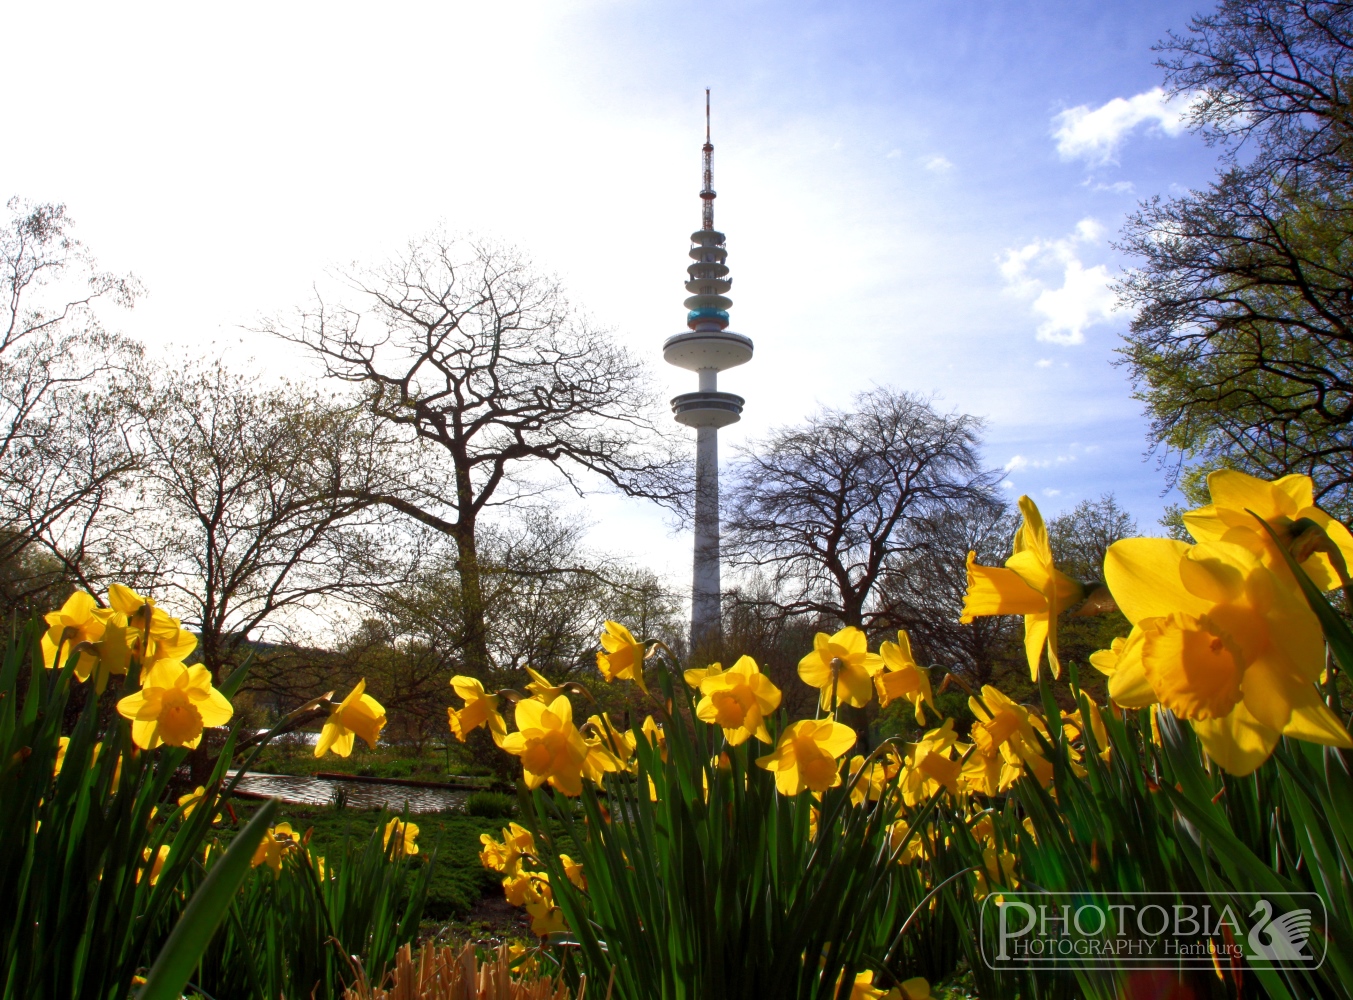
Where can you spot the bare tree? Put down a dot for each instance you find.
(924, 586)
(250, 499)
(1080, 537)
(488, 372)
(824, 507)
(63, 454)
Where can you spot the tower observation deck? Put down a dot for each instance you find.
(707, 348)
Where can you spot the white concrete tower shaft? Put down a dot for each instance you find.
(707, 349)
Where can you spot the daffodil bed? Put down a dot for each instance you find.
(718, 848)
(723, 850)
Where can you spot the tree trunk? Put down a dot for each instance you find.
(476, 644)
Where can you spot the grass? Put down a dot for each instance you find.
(459, 882)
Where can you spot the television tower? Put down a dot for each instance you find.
(707, 349)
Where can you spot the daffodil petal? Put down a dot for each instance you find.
(1314, 722)
(1238, 742)
(1143, 574)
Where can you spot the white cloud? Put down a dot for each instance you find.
(938, 164)
(1052, 493)
(893, 154)
(1081, 300)
(1018, 463)
(1043, 363)
(1094, 135)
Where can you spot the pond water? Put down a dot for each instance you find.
(304, 791)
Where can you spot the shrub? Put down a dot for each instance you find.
(494, 805)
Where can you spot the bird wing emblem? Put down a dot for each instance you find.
(1291, 929)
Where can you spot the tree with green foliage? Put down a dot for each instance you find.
(1242, 341)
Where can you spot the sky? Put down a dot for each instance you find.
(917, 195)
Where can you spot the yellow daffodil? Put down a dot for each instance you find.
(519, 839)
(1226, 643)
(499, 857)
(154, 866)
(738, 700)
(916, 988)
(806, 755)
(573, 871)
(1000, 868)
(1029, 585)
(917, 846)
(610, 739)
(863, 988)
(192, 800)
(174, 704)
(176, 646)
(1006, 729)
(602, 757)
(999, 720)
(275, 844)
(61, 744)
(143, 615)
(1073, 726)
(695, 675)
(115, 648)
(621, 656)
(930, 766)
(902, 677)
(1121, 663)
(550, 747)
(358, 714)
(1028, 825)
(78, 621)
(1282, 502)
(481, 709)
(845, 659)
(541, 687)
(656, 735)
(870, 785)
(546, 918)
(985, 774)
(405, 834)
(516, 886)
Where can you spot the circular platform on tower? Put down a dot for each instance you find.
(707, 409)
(709, 349)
